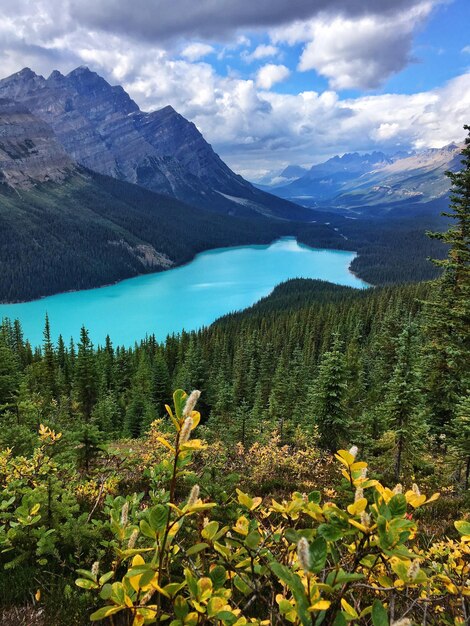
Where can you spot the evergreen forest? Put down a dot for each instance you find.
(305, 461)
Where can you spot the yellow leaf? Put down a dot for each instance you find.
(256, 502)
(321, 605)
(358, 525)
(350, 610)
(37, 595)
(345, 457)
(166, 443)
(358, 507)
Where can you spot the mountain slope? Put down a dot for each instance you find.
(416, 178)
(29, 152)
(103, 129)
(375, 182)
(91, 230)
(326, 180)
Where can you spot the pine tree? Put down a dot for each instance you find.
(402, 407)
(85, 375)
(460, 439)
(10, 376)
(326, 399)
(49, 362)
(448, 313)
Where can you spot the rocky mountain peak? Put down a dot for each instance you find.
(55, 75)
(29, 152)
(103, 129)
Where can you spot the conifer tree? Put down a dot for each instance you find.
(85, 375)
(460, 439)
(402, 407)
(10, 376)
(326, 399)
(49, 365)
(448, 312)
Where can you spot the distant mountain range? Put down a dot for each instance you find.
(363, 182)
(101, 128)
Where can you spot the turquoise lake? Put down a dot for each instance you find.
(191, 296)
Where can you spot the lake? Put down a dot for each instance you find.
(191, 296)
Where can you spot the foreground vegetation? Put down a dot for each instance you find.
(111, 509)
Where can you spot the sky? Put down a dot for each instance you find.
(268, 82)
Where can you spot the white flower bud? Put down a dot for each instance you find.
(186, 430)
(353, 451)
(303, 553)
(125, 514)
(191, 402)
(193, 496)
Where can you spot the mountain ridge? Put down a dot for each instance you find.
(353, 180)
(102, 128)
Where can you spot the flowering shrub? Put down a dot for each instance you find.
(298, 560)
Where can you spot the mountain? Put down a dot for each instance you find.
(279, 178)
(416, 178)
(102, 128)
(364, 183)
(325, 180)
(29, 152)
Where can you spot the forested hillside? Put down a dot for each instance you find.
(92, 230)
(112, 510)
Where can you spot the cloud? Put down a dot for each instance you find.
(263, 51)
(356, 53)
(196, 51)
(252, 127)
(466, 50)
(271, 74)
(206, 19)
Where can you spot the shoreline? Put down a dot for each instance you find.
(178, 265)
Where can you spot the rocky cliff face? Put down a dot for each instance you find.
(103, 129)
(29, 151)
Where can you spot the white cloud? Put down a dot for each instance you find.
(263, 51)
(271, 74)
(196, 51)
(356, 53)
(253, 128)
(466, 50)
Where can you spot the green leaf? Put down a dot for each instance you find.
(146, 530)
(315, 497)
(330, 532)
(291, 535)
(158, 517)
(379, 614)
(210, 530)
(179, 400)
(227, 617)
(241, 585)
(180, 607)
(198, 547)
(218, 576)
(318, 553)
(295, 585)
(253, 540)
(84, 583)
(397, 505)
